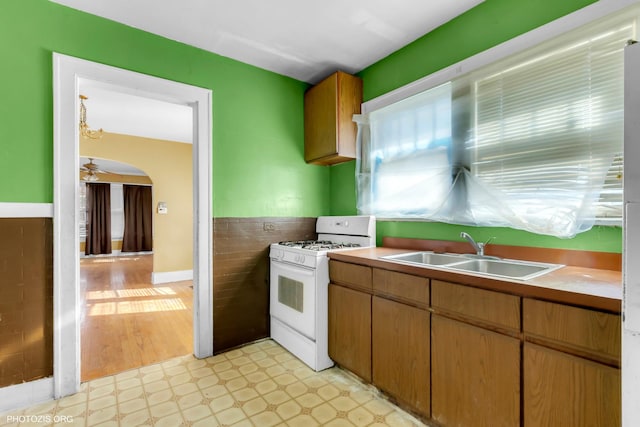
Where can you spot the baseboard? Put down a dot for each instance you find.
(26, 210)
(171, 276)
(23, 395)
(116, 253)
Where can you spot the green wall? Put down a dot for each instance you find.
(258, 138)
(488, 24)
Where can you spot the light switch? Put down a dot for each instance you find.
(162, 208)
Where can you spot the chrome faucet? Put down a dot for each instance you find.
(479, 247)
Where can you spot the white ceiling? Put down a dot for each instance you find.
(301, 39)
(304, 40)
(116, 111)
(112, 166)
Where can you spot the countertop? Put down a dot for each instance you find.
(584, 287)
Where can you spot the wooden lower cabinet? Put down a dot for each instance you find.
(475, 375)
(564, 390)
(401, 353)
(464, 356)
(350, 330)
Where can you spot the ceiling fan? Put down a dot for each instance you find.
(92, 170)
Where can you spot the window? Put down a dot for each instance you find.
(411, 154)
(117, 211)
(532, 142)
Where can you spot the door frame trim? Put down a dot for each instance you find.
(67, 73)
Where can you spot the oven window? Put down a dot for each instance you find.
(290, 293)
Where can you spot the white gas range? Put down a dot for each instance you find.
(299, 283)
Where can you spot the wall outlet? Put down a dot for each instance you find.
(269, 226)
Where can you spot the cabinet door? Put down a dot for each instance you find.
(400, 338)
(350, 330)
(329, 131)
(475, 375)
(564, 390)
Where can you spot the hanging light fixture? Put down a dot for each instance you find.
(90, 177)
(85, 131)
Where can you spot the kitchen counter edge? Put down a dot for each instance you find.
(579, 286)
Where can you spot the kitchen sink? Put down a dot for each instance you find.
(484, 265)
(506, 268)
(430, 258)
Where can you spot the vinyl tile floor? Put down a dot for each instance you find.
(260, 384)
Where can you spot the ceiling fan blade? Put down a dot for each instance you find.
(93, 168)
(109, 172)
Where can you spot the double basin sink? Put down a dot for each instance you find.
(479, 264)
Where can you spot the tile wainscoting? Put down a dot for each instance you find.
(26, 299)
(241, 274)
(241, 286)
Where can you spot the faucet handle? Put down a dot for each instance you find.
(481, 246)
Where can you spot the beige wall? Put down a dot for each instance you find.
(169, 166)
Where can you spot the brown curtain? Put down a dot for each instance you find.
(137, 218)
(98, 219)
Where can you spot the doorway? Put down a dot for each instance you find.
(127, 322)
(67, 71)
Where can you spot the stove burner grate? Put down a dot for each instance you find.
(318, 245)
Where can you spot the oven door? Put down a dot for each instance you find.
(292, 291)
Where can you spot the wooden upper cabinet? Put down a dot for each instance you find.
(329, 131)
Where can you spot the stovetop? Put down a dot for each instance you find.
(334, 233)
(318, 245)
(309, 253)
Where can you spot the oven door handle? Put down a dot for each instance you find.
(295, 268)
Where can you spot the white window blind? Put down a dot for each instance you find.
(548, 129)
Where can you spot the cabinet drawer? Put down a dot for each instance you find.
(403, 287)
(488, 307)
(581, 329)
(350, 275)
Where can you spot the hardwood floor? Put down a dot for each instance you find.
(126, 321)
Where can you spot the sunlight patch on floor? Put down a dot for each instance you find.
(131, 307)
(129, 293)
